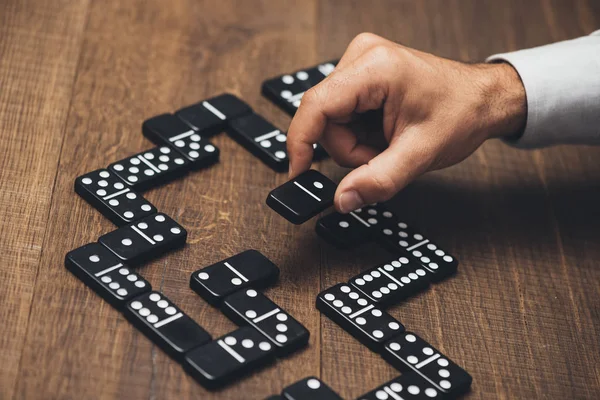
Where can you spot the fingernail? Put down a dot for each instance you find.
(350, 201)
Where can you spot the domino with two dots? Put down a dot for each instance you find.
(247, 269)
(106, 192)
(409, 352)
(211, 116)
(105, 274)
(286, 91)
(303, 197)
(145, 239)
(167, 129)
(229, 357)
(358, 316)
(151, 168)
(249, 307)
(165, 324)
(408, 386)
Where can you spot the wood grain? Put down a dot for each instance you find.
(77, 78)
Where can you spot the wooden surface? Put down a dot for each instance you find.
(78, 77)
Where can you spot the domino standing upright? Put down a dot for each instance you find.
(303, 197)
(286, 91)
(408, 386)
(247, 269)
(112, 197)
(310, 388)
(167, 129)
(165, 324)
(229, 357)
(145, 239)
(409, 352)
(103, 272)
(211, 116)
(249, 307)
(358, 316)
(151, 168)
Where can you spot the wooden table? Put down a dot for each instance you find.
(78, 77)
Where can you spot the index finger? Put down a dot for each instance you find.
(335, 98)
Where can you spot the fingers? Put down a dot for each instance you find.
(384, 175)
(336, 98)
(343, 147)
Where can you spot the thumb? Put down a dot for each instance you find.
(385, 175)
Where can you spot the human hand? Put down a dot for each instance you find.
(436, 112)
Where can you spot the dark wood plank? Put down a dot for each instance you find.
(521, 315)
(39, 47)
(143, 72)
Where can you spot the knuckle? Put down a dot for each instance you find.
(364, 39)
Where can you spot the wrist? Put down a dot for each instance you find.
(503, 95)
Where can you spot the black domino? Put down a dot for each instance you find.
(358, 316)
(393, 281)
(165, 324)
(167, 129)
(408, 386)
(105, 191)
(151, 168)
(347, 230)
(247, 269)
(249, 307)
(229, 357)
(409, 352)
(399, 237)
(145, 239)
(262, 139)
(103, 272)
(211, 116)
(310, 388)
(303, 197)
(286, 91)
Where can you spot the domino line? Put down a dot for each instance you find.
(231, 351)
(307, 191)
(267, 135)
(295, 97)
(213, 110)
(182, 135)
(391, 277)
(359, 219)
(107, 270)
(142, 234)
(120, 192)
(392, 394)
(143, 159)
(167, 320)
(235, 271)
(414, 246)
(356, 314)
(428, 360)
(266, 315)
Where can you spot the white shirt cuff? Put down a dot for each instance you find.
(562, 84)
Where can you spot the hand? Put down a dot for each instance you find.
(436, 112)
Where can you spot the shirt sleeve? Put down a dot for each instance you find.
(562, 84)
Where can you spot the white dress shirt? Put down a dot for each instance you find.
(562, 83)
